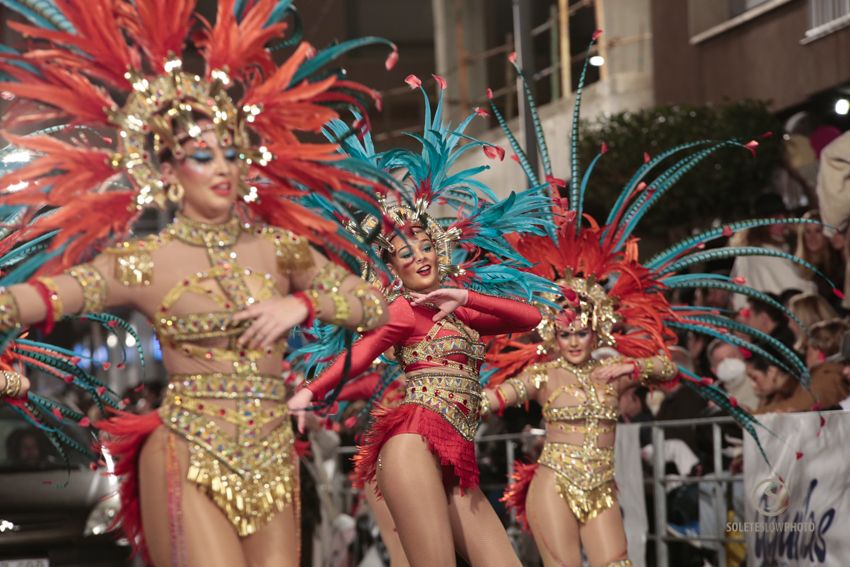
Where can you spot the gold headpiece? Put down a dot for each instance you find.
(162, 107)
(592, 308)
(400, 216)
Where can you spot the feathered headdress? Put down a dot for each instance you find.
(471, 245)
(624, 296)
(117, 66)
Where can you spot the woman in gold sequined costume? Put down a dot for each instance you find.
(211, 478)
(579, 398)
(608, 298)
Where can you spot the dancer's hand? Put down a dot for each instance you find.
(13, 383)
(297, 404)
(272, 318)
(446, 299)
(613, 372)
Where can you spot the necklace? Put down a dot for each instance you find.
(199, 233)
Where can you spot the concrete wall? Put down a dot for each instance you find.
(760, 59)
(629, 86)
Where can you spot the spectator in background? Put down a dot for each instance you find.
(770, 320)
(833, 189)
(681, 402)
(780, 392)
(771, 383)
(810, 309)
(767, 274)
(713, 297)
(815, 247)
(825, 341)
(25, 447)
(730, 369)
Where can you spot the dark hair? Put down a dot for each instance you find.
(775, 314)
(759, 363)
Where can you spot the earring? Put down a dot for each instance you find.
(175, 192)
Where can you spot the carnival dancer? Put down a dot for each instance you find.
(421, 452)
(210, 478)
(608, 298)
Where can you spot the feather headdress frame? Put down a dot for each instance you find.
(116, 68)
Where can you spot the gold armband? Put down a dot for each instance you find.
(484, 407)
(56, 305)
(93, 286)
(13, 384)
(342, 310)
(520, 389)
(372, 306)
(10, 316)
(647, 371)
(329, 278)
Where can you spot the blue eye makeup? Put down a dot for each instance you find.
(201, 156)
(230, 154)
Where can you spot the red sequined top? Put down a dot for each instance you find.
(411, 331)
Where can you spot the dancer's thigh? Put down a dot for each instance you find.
(410, 481)
(386, 526)
(209, 539)
(553, 525)
(275, 544)
(478, 532)
(604, 537)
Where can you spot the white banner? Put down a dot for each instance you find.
(628, 473)
(804, 519)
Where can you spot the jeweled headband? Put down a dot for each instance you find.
(586, 305)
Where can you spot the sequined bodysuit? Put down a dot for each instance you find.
(226, 401)
(580, 434)
(441, 362)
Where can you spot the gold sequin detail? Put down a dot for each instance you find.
(249, 476)
(372, 306)
(455, 398)
(10, 316)
(342, 310)
(134, 269)
(620, 563)
(93, 286)
(293, 253)
(584, 476)
(520, 389)
(435, 350)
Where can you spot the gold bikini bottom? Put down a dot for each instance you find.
(455, 398)
(584, 476)
(249, 476)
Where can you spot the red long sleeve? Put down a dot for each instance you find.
(368, 348)
(496, 316)
(359, 389)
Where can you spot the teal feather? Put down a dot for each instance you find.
(535, 120)
(575, 171)
(517, 149)
(718, 281)
(642, 171)
(661, 185)
(42, 13)
(734, 251)
(731, 339)
(328, 54)
(800, 371)
(709, 235)
(721, 399)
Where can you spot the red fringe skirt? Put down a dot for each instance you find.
(127, 433)
(517, 491)
(456, 454)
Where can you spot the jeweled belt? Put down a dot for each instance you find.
(455, 398)
(249, 476)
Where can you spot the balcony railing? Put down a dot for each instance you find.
(826, 16)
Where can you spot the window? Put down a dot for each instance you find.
(826, 16)
(708, 18)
